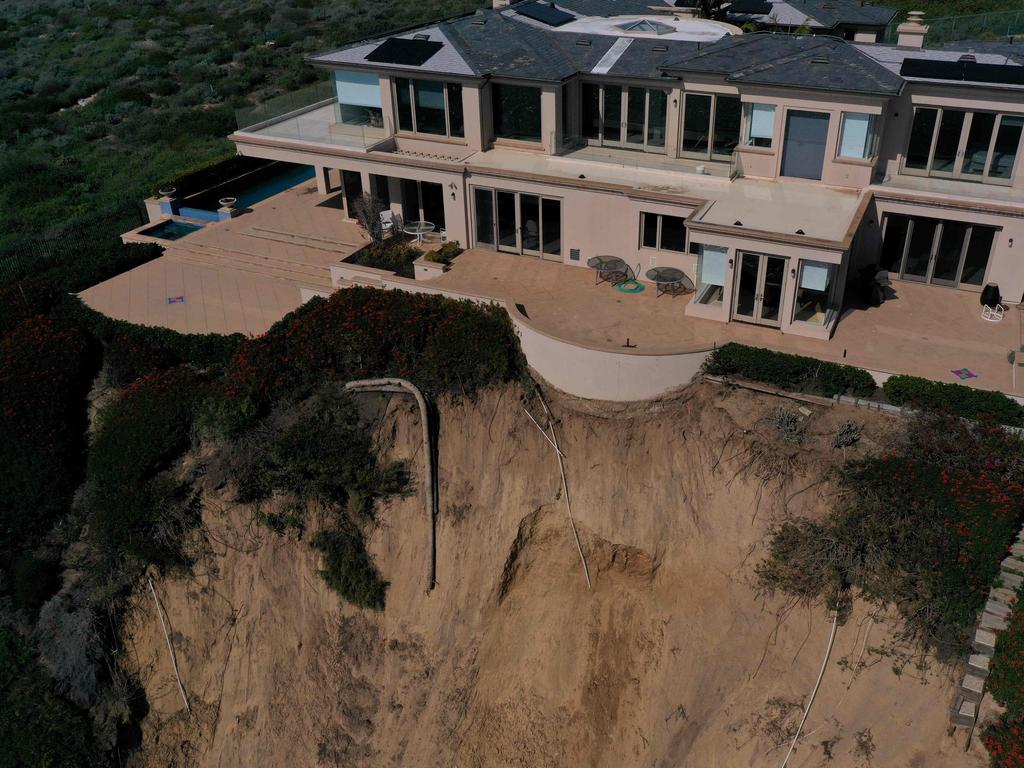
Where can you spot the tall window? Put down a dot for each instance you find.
(760, 122)
(429, 106)
(711, 126)
(516, 112)
(615, 116)
(812, 292)
(711, 264)
(666, 233)
(942, 252)
(359, 99)
(857, 136)
(973, 146)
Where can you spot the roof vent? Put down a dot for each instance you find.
(421, 37)
(584, 42)
(479, 21)
(967, 57)
(660, 48)
(737, 223)
(820, 60)
(800, 232)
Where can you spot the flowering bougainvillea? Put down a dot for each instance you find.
(1004, 741)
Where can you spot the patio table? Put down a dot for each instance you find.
(607, 269)
(418, 229)
(670, 280)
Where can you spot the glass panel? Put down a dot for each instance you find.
(456, 122)
(978, 139)
(920, 144)
(804, 150)
(656, 111)
(858, 135)
(551, 216)
(978, 249)
(516, 112)
(727, 125)
(711, 275)
(612, 113)
(429, 106)
(410, 200)
(673, 233)
(892, 246)
(356, 115)
(947, 141)
(591, 111)
(433, 203)
(649, 226)
(352, 184)
(747, 289)
(636, 109)
(1004, 154)
(762, 125)
(404, 104)
(696, 123)
(381, 190)
(484, 200)
(771, 293)
(947, 256)
(812, 292)
(920, 249)
(507, 220)
(529, 212)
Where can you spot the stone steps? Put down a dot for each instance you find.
(301, 276)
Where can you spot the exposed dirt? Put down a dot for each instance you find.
(670, 660)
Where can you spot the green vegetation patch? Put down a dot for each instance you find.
(954, 399)
(390, 255)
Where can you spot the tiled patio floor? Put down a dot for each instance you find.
(924, 331)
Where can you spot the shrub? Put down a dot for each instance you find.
(792, 372)
(954, 399)
(348, 569)
(391, 255)
(847, 435)
(1006, 678)
(1004, 740)
(445, 254)
(46, 368)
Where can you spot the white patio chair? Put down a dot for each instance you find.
(387, 222)
(993, 314)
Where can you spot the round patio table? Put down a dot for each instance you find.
(607, 268)
(669, 280)
(418, 229)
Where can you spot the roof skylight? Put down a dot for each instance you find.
(645, 27)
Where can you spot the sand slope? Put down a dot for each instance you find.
(670, 660)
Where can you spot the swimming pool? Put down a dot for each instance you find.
(171, 229)
(248, 189)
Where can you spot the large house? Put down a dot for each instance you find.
(768, 167)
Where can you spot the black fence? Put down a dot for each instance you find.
(68, 241)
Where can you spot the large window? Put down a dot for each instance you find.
(518, 222)
(813, 291)
(429, 106)
(516, 112)
(936, 251)
(760, 122)
(973, 146)
(711, 264)
(665, 233)
(359, 99)
(624, 117)
(857, 136)
(711, 126)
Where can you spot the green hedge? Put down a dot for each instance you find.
(954, 399)
(792, 372)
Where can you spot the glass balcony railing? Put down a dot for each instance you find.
(304, 99)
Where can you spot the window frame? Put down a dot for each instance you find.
(959, 158)
(873, 134)
(830, 292)
(659, 245)
(710, 154)
(748, 122)
(701, 294)
(410, 87)
(623, 142)
(899, 270)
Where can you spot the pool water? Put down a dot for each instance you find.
(275, 185)
(247, 189)
(171, 229)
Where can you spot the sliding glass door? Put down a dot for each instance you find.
(952, 253)
(973, 146)
(619, 116)
(518, 222)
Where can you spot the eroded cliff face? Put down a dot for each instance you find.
(671, 659)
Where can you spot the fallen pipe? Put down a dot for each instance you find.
(430, 491)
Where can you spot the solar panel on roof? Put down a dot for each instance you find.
(544, 13)
(750, 7)
(398, 50)
(965, 69)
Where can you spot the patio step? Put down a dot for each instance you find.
(311, 241)
(304, 275)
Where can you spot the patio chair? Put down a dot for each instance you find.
(387, 222)
(993, 314)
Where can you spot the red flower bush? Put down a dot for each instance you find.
(1004, 741)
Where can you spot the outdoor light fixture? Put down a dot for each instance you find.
(451, 186)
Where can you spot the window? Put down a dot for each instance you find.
(760, 125)
(711, 126)
(812, 292)
(973, 146)
(516, 112)
(711, 265)
(358, 99)
(615, 116)
(665, 233)
(952, 253)
(429, 106)
(518, 222)
(857, 135)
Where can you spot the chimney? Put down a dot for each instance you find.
(910, 34)
(499, 4)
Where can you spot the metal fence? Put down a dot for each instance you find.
(295, 101)
(997, 25)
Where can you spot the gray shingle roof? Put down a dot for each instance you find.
(824, 63)
(831, 13)
(891, 57)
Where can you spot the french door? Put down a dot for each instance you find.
(518, 222)
(624, 116)
(760, 283)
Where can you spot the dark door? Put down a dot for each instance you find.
(433, 204)
(410, 200)
(529, 216)
(484, 203)
(803, 153)
(507, 235)
(352, 184)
